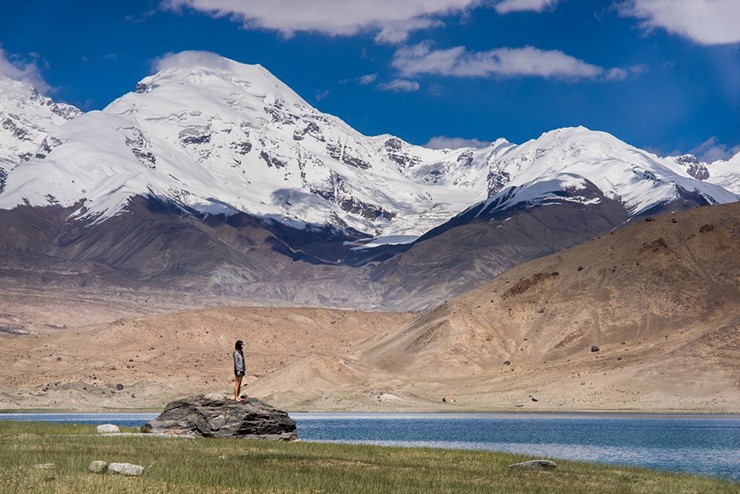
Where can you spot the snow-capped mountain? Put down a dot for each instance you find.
(725, 173)
(223, 137)
(546, 195)
(218, 136)
(26, 118)
(579, 165)
(227, 177)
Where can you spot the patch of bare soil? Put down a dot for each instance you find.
(142, 363)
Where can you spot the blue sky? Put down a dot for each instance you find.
(663, 75)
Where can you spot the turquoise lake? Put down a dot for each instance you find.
(698, 444)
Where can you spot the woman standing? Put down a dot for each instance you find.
(240, 368)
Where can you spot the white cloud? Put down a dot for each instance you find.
(444, 142)
(711, 150)
(508, 6)
(186, 59)
(706, 22)
(619, 74)
(22, 69)
(504, 62)
(390, 20)
(367, 79)
(400, 85)
(363, 80)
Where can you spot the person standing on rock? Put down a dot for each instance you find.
(240, 368)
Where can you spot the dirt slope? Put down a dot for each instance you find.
(645, 318)
(157, 358)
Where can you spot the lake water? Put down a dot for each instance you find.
(700, 444)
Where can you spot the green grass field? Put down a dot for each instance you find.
(175, 465)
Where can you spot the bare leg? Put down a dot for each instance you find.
(237, 388)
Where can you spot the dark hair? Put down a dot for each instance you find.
(239, 345)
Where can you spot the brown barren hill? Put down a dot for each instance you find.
(647, 317)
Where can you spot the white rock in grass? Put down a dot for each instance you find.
(126, 469)
(107, 429)
(98, 467)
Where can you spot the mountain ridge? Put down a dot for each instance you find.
(222, 141)
(294, 205)
(222, 137)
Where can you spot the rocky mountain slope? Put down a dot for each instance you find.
(215, 176)
(646, 317)
(564, 188)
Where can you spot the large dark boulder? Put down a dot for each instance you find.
(218, 416)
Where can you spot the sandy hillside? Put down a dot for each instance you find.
(646, 318)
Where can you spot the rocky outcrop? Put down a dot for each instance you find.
(219, 416)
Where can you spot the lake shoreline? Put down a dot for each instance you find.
(699, 444)
(303, 467)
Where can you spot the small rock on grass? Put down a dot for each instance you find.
(107, 429)
(98, 467)
(126, 469)
(536, 464)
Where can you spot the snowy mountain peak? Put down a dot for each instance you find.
(195, 69)
(26, 118)
(562, 162)
(724, 172)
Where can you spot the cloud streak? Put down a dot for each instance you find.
(509, 6)
(400, 85)
(706, 22)
(502, 62)
(22, 69)
(390, 20)
(712, 150)
(444, 142)
(186, 59)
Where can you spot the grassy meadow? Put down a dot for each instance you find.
(176, 465)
